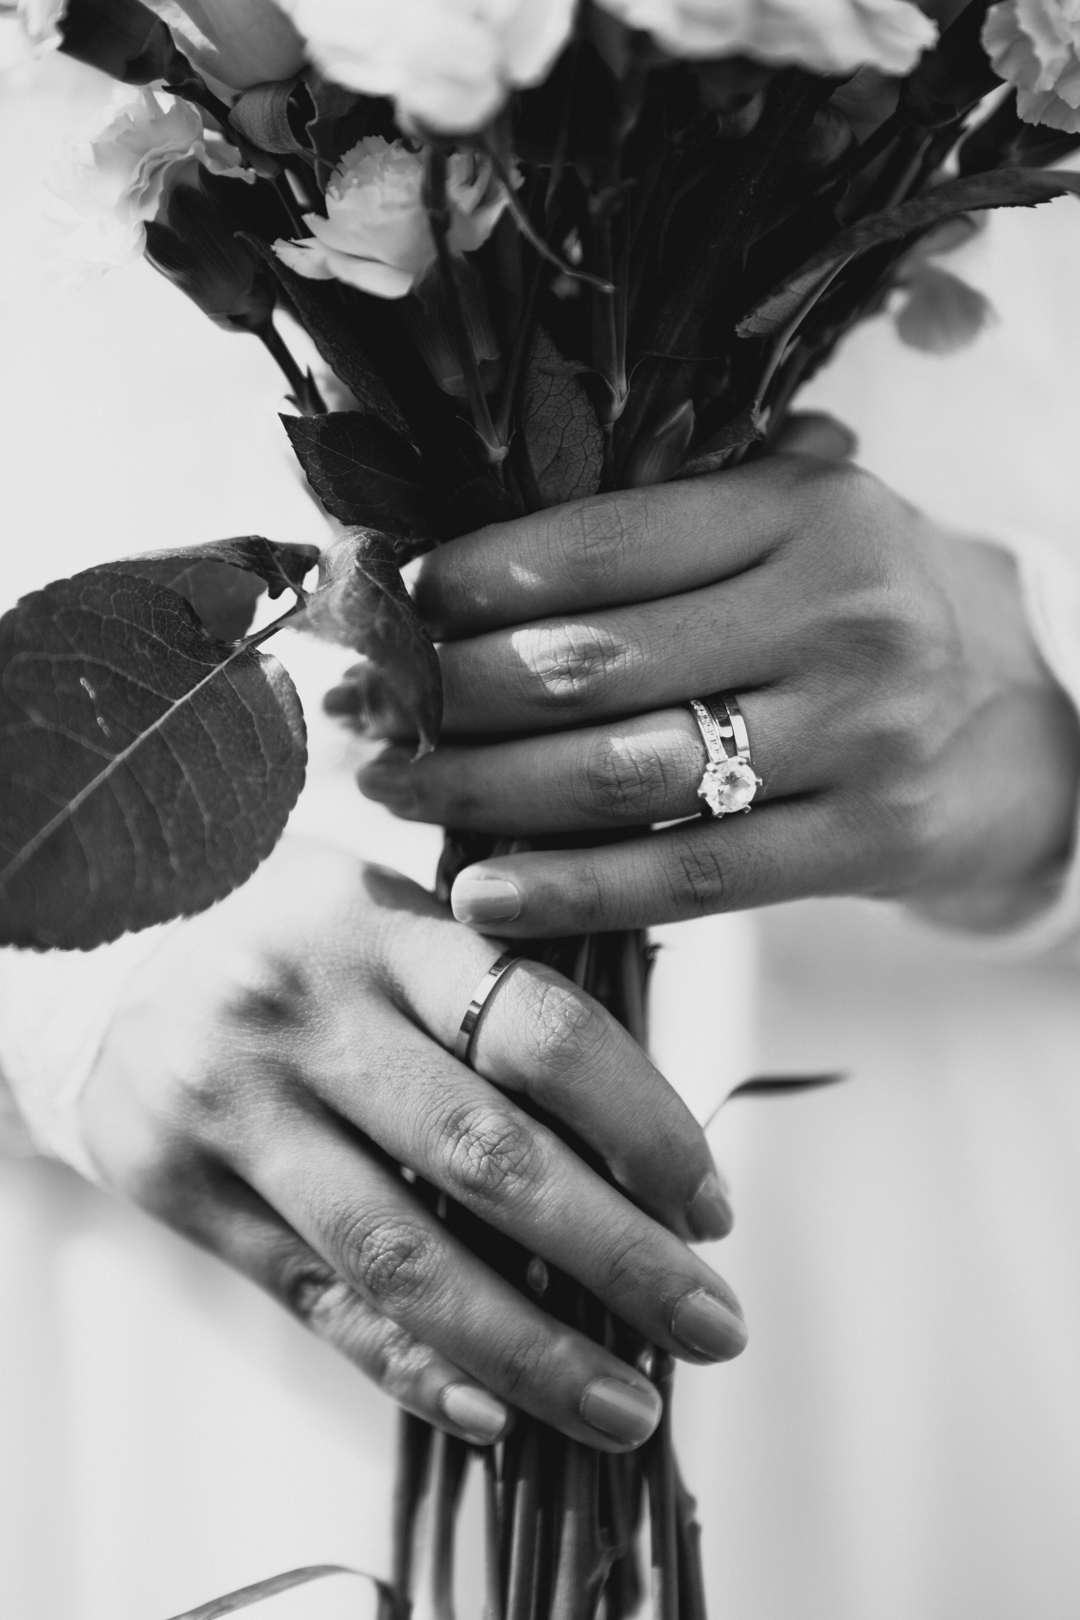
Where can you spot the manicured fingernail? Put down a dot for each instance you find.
(623, 1411)
(708, 1214)
(706, 1325)
(482, 1417)
(484, 899)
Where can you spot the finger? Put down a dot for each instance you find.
(475, 1144)
(632, 660)
(781, 851)
(628, 546)
(630, 774)
(364, 1222)
(542, 1037)
(816, 433)
(234, 1223)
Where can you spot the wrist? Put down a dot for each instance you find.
(1018, 756)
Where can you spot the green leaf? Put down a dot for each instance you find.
(361, 471)
(564, 439)
(747, 427)
(244, 1596)
(223, 579)
(147, 767)
(362, 603)
(1001, 188)
(267, 116)
(323, 312)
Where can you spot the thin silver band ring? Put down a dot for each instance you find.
(481, 996)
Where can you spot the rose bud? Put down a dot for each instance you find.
(376, 234)
(194, 245)
(237, 43)
(122, 38)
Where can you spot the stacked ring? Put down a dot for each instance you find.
(730, 782)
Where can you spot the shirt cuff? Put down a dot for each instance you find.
(55, 1007)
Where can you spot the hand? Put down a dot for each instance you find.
(911, 740)
(278, 1057)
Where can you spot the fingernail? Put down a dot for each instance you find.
(484, 899)
(708, 1214)
(623, 1411)
(389, 781)
(708, 1327)
(479, 1414)
(342, 700)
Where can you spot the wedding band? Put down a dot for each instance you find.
(481, 995)
(729, 782)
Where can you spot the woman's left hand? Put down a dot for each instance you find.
(911, 741)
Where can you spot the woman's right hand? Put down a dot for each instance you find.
(277, 1058)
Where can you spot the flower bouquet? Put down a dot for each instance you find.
(546, 250)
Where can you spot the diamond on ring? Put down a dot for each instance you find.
(729, 782)
(727, 787)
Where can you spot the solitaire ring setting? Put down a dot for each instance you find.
(730, 782)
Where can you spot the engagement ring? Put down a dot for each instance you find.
(730, 781)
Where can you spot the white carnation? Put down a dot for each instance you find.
(826, 36)
(376, 234)
(1035, 45)
(121, 174)
(447, 64)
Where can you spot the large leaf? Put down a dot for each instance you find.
(362, 603)
(223, 579)
(564, 439)
(147, 767)
(1003, 188)
(361, 471)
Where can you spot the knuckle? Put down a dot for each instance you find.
(308, 1288)
(564, 1030)
(825, 485)
(572, 664)
(388, 1258)
(489, 1154)
(694, 874)
(525, 1365)
(591, 538)
(267, 992)
(628, 779)
(627, 1265)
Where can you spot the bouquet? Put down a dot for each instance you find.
(546, 249)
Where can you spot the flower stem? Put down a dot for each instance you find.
(438, 210)
(288, 202)
(451, 1460)
(305, 392)
(414, 1455)
(660, 1472)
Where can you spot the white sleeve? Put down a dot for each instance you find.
(55, 1007)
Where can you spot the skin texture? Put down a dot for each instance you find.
(276, 1058)
(912, 743)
